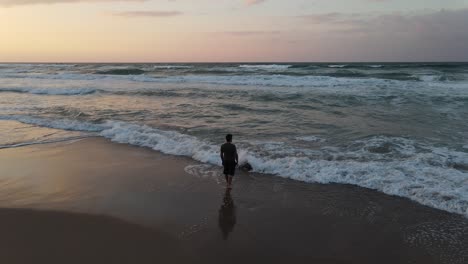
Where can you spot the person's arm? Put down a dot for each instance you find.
(237, 156)
(221, 155)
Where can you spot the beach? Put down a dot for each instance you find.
(122, 123)
(94, 201)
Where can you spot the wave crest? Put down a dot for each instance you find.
(265, 66)
(121, 72)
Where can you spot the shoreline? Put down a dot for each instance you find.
(73, 140)
(435, 178)
(264, 217)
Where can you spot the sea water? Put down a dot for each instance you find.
(399, 128)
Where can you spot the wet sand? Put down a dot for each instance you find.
(30, 236)
(94, 201)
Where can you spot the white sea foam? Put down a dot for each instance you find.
(440, 187)
(172, 67)
(276, 80)
(337, 66)
(114, 67)
(169, 142)
(429, 175)
(269, 67)
(62, 76)
(429, 78)
(428, 178)
(204, 171)
(267, 80)
(310, 139)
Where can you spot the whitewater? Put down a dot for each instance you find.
(399, 128)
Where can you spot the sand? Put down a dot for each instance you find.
(94, 201)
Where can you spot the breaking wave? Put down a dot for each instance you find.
(433, 176)
(122, 72)
(265, 66)
(337, 66)
(168, 67)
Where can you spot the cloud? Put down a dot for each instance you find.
(254, 2)
(335, 18)
(418, 36)
(148, 14)
(434, 22)
(32, 2)
(9, 3)
(248, 33)
(440, 23)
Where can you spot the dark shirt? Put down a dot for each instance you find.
(229, 151)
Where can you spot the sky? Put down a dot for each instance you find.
(233, 30)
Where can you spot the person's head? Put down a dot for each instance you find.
(229, 138)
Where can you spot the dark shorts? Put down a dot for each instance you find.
(229, 167)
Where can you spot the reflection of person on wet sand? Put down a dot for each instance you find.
(227, 215)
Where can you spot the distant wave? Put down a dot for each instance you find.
(337, 66)
(121, 72)
(275, 80)
(50, 91)
(172, 67)
(269, 78)
(265, 66)
(301, 85)
(304, 68)
(63, 76)
(282, 80)
(310, 139)
(442, 78)
(268, 83)
(438, 175)
(303, 65)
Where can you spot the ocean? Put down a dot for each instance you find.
(399, 128)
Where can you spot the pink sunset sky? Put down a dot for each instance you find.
(233, 30)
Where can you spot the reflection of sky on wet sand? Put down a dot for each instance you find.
(13, 133)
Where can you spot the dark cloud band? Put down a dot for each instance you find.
(148, 14)
(33, 2)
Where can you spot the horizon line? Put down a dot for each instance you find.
(214, 62)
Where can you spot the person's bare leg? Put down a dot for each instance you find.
(230, 181)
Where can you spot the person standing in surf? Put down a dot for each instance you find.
(230, 159)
